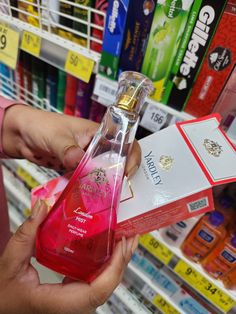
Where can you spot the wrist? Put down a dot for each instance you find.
(12, 129)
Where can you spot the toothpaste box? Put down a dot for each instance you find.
(139, 21)
(217, 65)
(166, 32)
(199, 30)
(180, 166)
(113, 37)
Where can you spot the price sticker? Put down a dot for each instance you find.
(9, 45)
(164, 306)
(105, 89)
(25, 176)
(154, 118)
(79, 66)
(156, 248)
(215, 295)
(31, 43)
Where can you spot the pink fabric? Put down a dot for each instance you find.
(4, 218)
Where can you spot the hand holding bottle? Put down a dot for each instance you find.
(20, 288)
(50, 139)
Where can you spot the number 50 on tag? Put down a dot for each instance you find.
(9, 44)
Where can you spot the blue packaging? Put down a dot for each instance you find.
(113, 37)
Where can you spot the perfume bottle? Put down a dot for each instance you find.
(77, 236)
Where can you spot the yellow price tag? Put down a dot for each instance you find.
(156, 248)
(79, 66)
(204, 286)
(164, 306)
(31, 43)
(25, 176)
(9, 44)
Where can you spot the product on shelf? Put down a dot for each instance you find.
(96, 112)
(137, 28)
(81, 14)
(113, 37)
(167, 28)
(166, 281)
(225, 204)
(4, 8)
(70, 96)
(201, 25)
(226, 106)
(61, 90)
(50, 9)
(66, 21)
(27, 76)
(175, 234)
(171, 184)
(51, 85)
(19, 77)
(209, 231)
(98, 20)
(216, 67)
(31, 12)
(229, 280)
(85, 212)
(13, 6)
(83, 98)
(6, 76)
(222, 258)
(38, 79)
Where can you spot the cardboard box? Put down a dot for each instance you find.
(217, 65)
(113, 37)
(167, 28)
(138, 25)
(200, 28)
(180, 165)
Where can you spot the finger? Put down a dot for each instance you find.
(134, 160)
(21, 246)
(72, 156)
(103, 286)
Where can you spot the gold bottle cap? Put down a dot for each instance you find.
(128, 100)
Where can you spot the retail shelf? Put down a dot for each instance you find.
(130, 301)
(154, 114)
(104, 309)
(169, 305)
(15, 218)
(16, 193)
(54, 49)
(191, 273)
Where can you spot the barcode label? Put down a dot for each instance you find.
(107, 90)
(199, 204)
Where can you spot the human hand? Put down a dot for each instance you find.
(52, 140)
(20, 288)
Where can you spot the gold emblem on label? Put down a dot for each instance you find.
(98, 175)
(213, 148)
(166, 162)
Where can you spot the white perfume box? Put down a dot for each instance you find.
(180, 166)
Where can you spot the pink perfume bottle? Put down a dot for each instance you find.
(77, 237)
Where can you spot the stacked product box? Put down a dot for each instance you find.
(138, 25)
(199, 30)
(167, 28)
(100, 5)
(113, 37)
(217, 66)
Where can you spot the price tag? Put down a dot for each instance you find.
(154, 118)
(105, 89)
(164, 306)
(25, 176)
(31, 43)
(204, 286)
(9, 44)
(79, 66)
(156, 248)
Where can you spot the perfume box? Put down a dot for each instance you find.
(139, 21)
(197, 36)
(180, 166)
(217, 65)
(113, 37)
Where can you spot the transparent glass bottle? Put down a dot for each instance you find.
(77, 237)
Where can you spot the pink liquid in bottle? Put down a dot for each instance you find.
(77, 237)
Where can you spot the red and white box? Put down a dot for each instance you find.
(180, 166)
(217, 66)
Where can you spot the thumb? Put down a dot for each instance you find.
(72, 156)
(20, 247)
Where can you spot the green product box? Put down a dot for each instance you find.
(168, 25)
(200, 28)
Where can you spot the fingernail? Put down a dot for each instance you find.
(36, 209)
(132, 171)
(124, 246)
(135, 244)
